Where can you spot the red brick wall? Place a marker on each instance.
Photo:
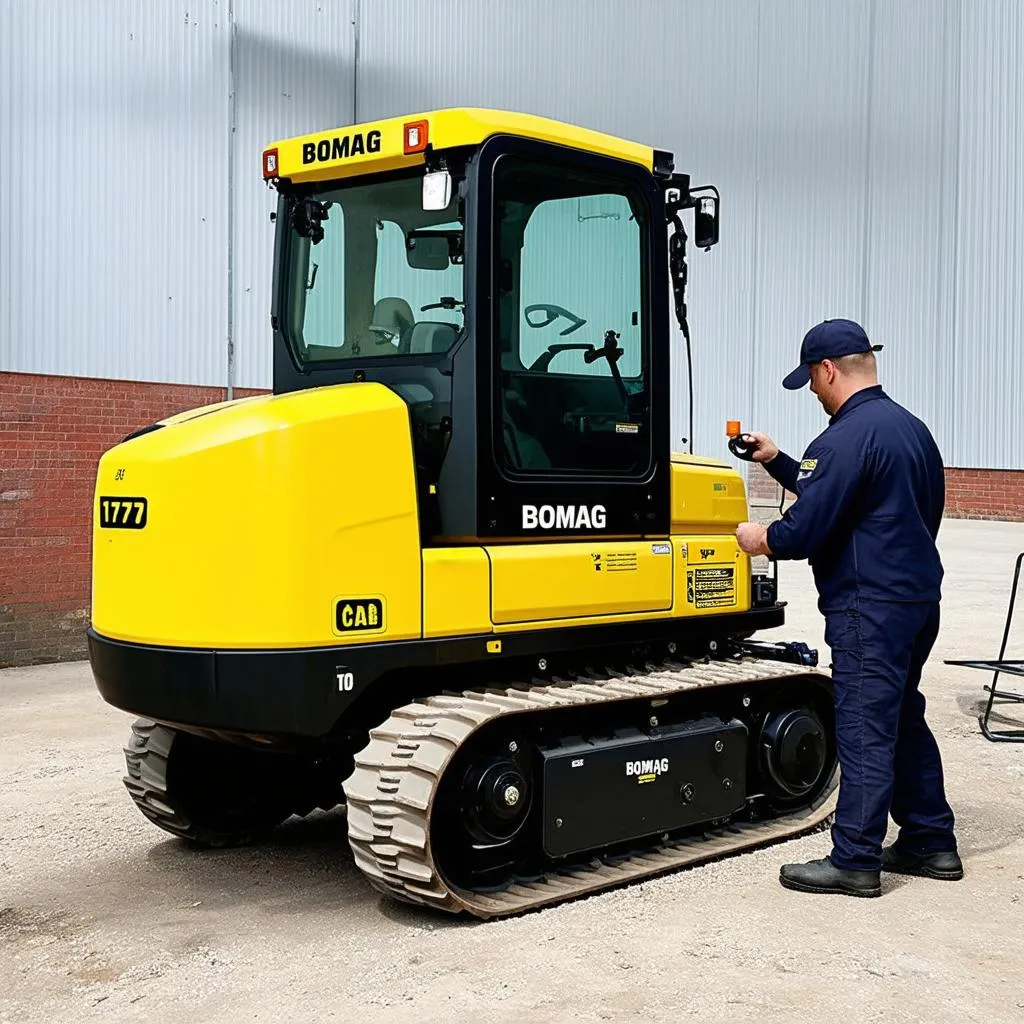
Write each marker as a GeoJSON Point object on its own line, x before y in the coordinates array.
{"type": "Point", "coordinates": [761, 488]}
{"type": "Point", "coordinates": [970, 493]}
{"type": "Point", "coordinates": [52, 432]}
{"type": "Point", "coordinates": [985, 494]}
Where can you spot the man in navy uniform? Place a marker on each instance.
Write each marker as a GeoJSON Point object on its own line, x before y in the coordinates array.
{"type": "Point", "coordinates": [870, 494]}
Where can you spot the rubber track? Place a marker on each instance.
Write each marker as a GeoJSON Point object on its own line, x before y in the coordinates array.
{"type": "Point", "coordinates": [146, 781]}
{"type": "Point", "coordinates": [391, 791]}
{"type": "Point", "coordinates": [146, 759]}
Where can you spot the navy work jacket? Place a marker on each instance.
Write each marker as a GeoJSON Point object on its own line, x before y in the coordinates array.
{"type": "Point", "coordinates": [870, 494]}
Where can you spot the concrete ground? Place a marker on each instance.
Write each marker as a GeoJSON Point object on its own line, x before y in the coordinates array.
{"type": "Point", "coordinates": [103, 917]}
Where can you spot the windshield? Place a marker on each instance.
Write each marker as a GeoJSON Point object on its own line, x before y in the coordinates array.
{"type": "Point", "coordinates": [385, 279]}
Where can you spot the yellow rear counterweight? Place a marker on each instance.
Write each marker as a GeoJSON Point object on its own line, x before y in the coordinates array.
{"type": "Point", "coordinates": [261, 516]}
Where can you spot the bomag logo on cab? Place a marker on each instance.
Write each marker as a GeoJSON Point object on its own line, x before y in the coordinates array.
{"type": "Point", "coordinates": [363, 614]}
{"type": "Point", "coordinates": [564, 517]}
{"type": "Point", "coordinates": [341, 147]}
{"type": "Point", "coordinates": [647, 771]}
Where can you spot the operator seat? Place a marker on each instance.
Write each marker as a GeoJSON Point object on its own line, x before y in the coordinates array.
{"type": "Point", "coordinates": [391, 322]}
{"type": "Point", "coordinates": [431, 336]}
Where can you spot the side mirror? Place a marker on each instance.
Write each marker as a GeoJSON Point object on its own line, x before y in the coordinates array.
{"type": "Point", "coordinates": [433, 248]}
{"type": "Point", "coordinates": [437, 190]}
{"type": "Point", "coordinates": [426, 251]}
{"type": "Point", "coordinates": [705, 222]}
{"type": "Point", "coordinates": [307, 219]}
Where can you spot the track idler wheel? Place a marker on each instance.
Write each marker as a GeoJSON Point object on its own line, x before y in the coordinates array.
{"type": "Point", "coordinates": [794, 749]}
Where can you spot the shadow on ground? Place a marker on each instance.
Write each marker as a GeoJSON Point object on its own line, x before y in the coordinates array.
{"type": "Point", "coordinates": [305, 865]}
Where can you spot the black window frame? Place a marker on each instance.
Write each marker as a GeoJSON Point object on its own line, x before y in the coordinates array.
{"type": "Point", "coordinates": [638, 184]}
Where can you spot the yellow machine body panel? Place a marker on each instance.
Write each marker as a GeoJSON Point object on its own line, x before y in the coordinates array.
{"type": "Point", "coordinates": [507, 588]}
{"type": "Point", "coordinates": [375, 146]}
{"type": "Point", "coordinates": [537, 582]}
{"type": "Point", "coordinates": [695, 584]}
{"type": "Point", "coordinates": [708, 496]}
{"type": "Point", "coordinates": [273, 522]}
{"type": "Point", "coordinates": [456, 589]}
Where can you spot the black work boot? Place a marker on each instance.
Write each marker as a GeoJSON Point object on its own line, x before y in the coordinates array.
{"type": "Point", "coordinates": [823, 876]}
{"type": "Point", "coordinates": [945, 866]}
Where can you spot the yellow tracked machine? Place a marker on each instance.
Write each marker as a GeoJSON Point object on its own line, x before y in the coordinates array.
{"type": "Point", "coordinates": [451, 572]}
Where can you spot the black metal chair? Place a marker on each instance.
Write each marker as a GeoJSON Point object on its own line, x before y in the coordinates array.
{"type": "Point", "coordinates": [1001, 664]}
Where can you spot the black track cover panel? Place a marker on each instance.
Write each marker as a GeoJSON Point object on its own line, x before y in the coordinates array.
{"type": "Point", "coordinates": [616, 788]}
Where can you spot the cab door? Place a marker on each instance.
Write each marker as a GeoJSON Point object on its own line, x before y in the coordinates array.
{"type": "Point", "coordinates": [577, 374]}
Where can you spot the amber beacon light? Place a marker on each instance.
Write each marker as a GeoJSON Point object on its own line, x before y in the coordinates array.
{"type": "Point", "coordinates": [740, 448]}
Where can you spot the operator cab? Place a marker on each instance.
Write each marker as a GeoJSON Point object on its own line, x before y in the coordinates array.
{"type": "Point", "coordinates": [512, 287]}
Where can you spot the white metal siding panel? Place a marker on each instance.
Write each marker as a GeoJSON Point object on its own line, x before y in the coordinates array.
{"type": "Point", "coordinates": [988, 359]}
{"type": "Point", "coordinates": [113, 131]}
{"type": "Point", "coordinates": [293, 73]}
{"type": "Point", "coordinates": [909, 258]}
{"type": "Point", "coordinates": [812, 133]}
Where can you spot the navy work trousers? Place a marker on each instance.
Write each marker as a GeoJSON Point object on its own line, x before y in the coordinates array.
{"type": "Point", "coordinates": [888, 758]}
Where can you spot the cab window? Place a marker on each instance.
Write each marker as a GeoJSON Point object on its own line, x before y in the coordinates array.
{"type": "Point", "coordinates": [370, 274]}
{"type": "Point", "coordinates": [571, 321]}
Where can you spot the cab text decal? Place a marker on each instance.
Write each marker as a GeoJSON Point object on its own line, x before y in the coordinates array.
{"type": "Point", "coordinates": [359, 615]}
{"type": "Point", "coordinates": [341, 147]}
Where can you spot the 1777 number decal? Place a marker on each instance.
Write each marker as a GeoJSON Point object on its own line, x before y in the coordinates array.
{"type": "Point", "coordinates": [123, 513]}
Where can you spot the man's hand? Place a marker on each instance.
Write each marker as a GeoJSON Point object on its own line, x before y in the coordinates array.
{"type": "Point", "coordinates": [753, 538]}
{"type": "Point", "coordinates": [765, 448]}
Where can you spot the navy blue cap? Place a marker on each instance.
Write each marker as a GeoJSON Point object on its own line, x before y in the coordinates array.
{"type": "Point", "coordinates": [828, 340]}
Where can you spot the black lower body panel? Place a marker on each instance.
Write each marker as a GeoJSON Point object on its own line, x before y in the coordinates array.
{"type": "Point", "coordinates": [307, 692]}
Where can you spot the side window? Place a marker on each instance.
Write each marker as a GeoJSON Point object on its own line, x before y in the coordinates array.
{"type": "Point", "coordinates": [378, 276]}
{"type": "Point", "coordinates": [572, 331]}
{"type": "Point", "coordinates": [324, 323]}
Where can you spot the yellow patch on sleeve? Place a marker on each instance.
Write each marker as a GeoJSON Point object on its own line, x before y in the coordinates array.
{"type": "Point", "coordinates": [808, 464]}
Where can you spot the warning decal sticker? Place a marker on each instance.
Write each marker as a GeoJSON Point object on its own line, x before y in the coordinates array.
{"type": "Point", "coordinates": [614, 561]}
{"type": "Point", "coordinates": [711, 587]}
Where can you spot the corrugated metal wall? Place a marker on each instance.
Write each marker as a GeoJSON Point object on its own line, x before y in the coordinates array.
{"type": "Point", "coordinates": [293, 72]}
{"type": "Point", "coordinates": [113, 223]}
{"type": "Point", "coordinates": [868, 155]}
{"type": "Point", "coordinates": [987, 357]}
